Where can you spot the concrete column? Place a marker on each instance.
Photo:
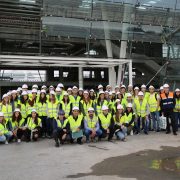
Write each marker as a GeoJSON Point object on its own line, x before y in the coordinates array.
{"type": "Point", "coordinates": [80, 74]}
{"type": "Point", "coordinates": [130, 73]}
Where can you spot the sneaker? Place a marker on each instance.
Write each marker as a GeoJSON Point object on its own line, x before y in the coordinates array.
{"type": "Point", "coordinates": [6, 143]}
{"type": "Point", "coordinates": [175, 133]}
{"type": "Point", "coordinates": [146, 133]}
{"type": "Point", "coordinates": [131, 133]}
{"type": "Point", "coordinates": [19, 140]}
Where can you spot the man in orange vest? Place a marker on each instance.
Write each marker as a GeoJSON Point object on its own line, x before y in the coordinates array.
{"type": "Point", "coordinates": [167, 105]}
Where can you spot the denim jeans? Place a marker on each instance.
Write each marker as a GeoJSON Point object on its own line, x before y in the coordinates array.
{"type": "Point", "coordinates": [145, 124]}
{"type": "Point", "coordinates": [177, 119]}
{"type": "Point", "coordinates": [88, 132]}
{"type": "Point", "coordinates": [155, 119]}
{"type": "Point", "coordinates": [122, 133]}
{"type": "Point", "coordinates": [6, 137]}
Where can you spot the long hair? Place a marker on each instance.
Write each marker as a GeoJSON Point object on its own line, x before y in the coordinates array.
{"type": "Point", "coordinates": [117, 116]}
{"type": "Point", "coordinates": [129, 112]}
{"type": "Point", "coordinates": [16, 119]}
{"type": "Point", "coordinates": [67, 100]}
{"type": "Point", "coordinates": [88, 99]}
{"type": "Point", "coordinates": [3, 121]}
{"type": "Point", "coordinates": [31, 102]}
{"type": "Point", "coordinates": [43, 100]}
{"type": "Point", "coordinates": [16, 99]}
{"type": "Point", "coordinates": [22, 99]}
{"type": "Point", "coordinates": [4, 103]}
{"type": "Point", "coordinates": [36, 119]}
{"type": "Point", "coordinates": [53, 97]}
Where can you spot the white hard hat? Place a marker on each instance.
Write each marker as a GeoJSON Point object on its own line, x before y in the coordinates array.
{"type": "Point", "coordinates": [81, 89]}
{"type": "Point", "coordinates": [43, 86]}
{"type": "Point", "coordinates": [60, 85]}
{"type": "Point", "coordinates": [161, 88]}
{"type": "Point", "coordinates": [143, 86]}
{"type": "Point", "coordinates": [34, 91]}
{"type": "Point", "coordinates": [24, 93]}
{"type": "Point", "coordinates": [129, 105]}
{"type": "Point", "coordinates": [19, 89]}
{"type": "Point", "coordinates": [130, 85]}
{"type": "Point", "coordinates": [65, 94]}
{"type": "Point", "coordinates": [101, 92]}
{"type": "Point", "coordinates": [51, 86]}
{"type": "Point", "coordinates": [116, 86]}
{"type": "Point", "coordinates": [86, 92]}
{"type": "Point", "coordinates": [43, 91]}
{"type": "Point", "coordinates": [106, 92]}
{"type": "Point", "coordinates": [13, 92]}
{"type": "Point", "coordinates": [136, 88]}
{"type": "Point", "coordinates": [58, 89]}
{"type": "Point", "coordinates": [113, 92]}
{"type": "Point", "coordinates": [69, 89]}
{"type": "Point", "coordinates": [129, 95]}
{"type": "Point", "coordinates": [151, 87]}
{"type": "Point", "coordinates": [24, 86]}
{"type": "Point", "coordinates": [90, 109]}
{"type": "Point", "coordinates": [100, 86]}
{"type": "Point", "coordinates": [17, 110]}
{"type": "Point", "coordinates": [9, 93]}
{"type": "Point", "coordinates": [120, 106]}
{"type": "Point", "coordinates": [52, 93]}
{"type": "Point", "coordinates": [123, 86]}
{"type": "Point", "coordinates": [34, 110]}
{"type": "Point", "coordinates": [177, 90]}
{"type": "Point", "coordinates": [110, 93]}
{"type": "Point", "coordinates": [104, 107]}
{"type": "Point", "coordinates": [165, 86]}
{"type": "Point", "coordinates": [140, 93]}
{"type": "Point", "coordinates": [118, 100]}
{"type": "Point", "coordinates": [1, 114]}
{"type": "Point", "coordinates": [108, 85]}
{"type": "Point", "coordinates": [35, 86]}
{"type": "Point", "coordinates": [4, 96]}
{"type": "Point", "coordinates": [75, 108]}
{"type": "Point", "coordinates": [74, 87]}
{"type": "Point", "coordinates": [91, 90]}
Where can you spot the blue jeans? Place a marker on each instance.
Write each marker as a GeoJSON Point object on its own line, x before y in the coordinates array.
{"type": "Point", "coordinates": [6, 137]}
{"type": "Point", "coordinates": [145, 124]}
{"type": "Point", "coordinates": [177, 119]}
{"type": "Point", "coordinates": [122, 133]}
{"type": "Point", "coordinates": [155, 119]}
{"type": "Point", "coordinates": [88, 132]}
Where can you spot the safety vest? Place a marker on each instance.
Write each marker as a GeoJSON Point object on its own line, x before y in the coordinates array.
{"type": "Point", "coordinates": [3, 129]}
{"type": "Point", "coordinates": [59, 98]}
{"type": "Point", "coordinates": [167, 102]}
{"type": "Point", "coordinates": [53, 109]}
{"type": "Point", "coordinates": [75, 101]}
{"type": "Point", "coordinates": [31, 125]}
{"type": "Point", "coordinates": [129, 118]}
{"type": "Point", "coordinates": [146, 95]}
{"type": "Point", "coordinates": [177, 106]}
{"type": "Point", "coordinates": [86, 106]}
{"type": "Point", "coordinates": [60, 125]}
{"type": "Point", "coordinates": [7, 110]}
{"type": "Point", "coordinates": [15, 124]}
{"type": "Point", "coordinates": [152, 101]}
{"type": "Point", "coordinates": [23, 108]}
{"type": "Point", "coordinates": [121, 121]}
{"type": "Point", "coordinates": [99, 107]}
{"type": "Point", "coordinates": [74, 124]}
{"type": "Point", "coordinates": [141, 109]}
{"type": "Point", "coordinates": [42, 109]}
{"type": "Point", "coordinates": [105, 121]}
{"type": "Point", "coordinates": [66, 108]}
{"type": "Point", "coordinates": [91, 122]}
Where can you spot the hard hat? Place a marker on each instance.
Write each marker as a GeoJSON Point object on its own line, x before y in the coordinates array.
{"type": "Point", "coordinates": [9, 93]}
{"type": "Point", "coordinates": [129, 105]}
{"type": "Point", "coordinates": [13, 92]}
{"type": "Point", "coordinates": [17, 110]}
{"type": "Point", "coordinates": [19, 89]}
{"type": "Point", "coordinates": [104, 107]}
{"type": "Point", "coordinates": [165, 86]}
{"type": "Point", "coordinates": [60, 85]}
{"type": "Point", "coordinates": [101, 92]}
{"type": "Point", "coordinates": [69, 89]}
{"type": "Point", "coordinates": [58, 89]}
{"type": "Point", "coordinates": [123, 86]}
{"type": "Point", "coordinates": [90, 109]}
{"type": "Point", "coordinates": [81, 89]}
{"type": "Point", "coordinates": [1, 114]}
{"type": "Point", "coordinates": [35, 86]}
{"type": "Point", "coordinates": [140, 93]}
{"type": "Point", "coordinates": [91, 90]}
{"type": "Point", "coordinates": [100, 86]}
{"type": "Point", "coordinates": [4, 96]}
{"type": "Point", "coordinates": [24, 86]}
{"type": "Point", "coordinates": [161, 88]}
{"type": "Point", "coordinates": [106, 92]}
{"type": "Point", "coordinates": [51, 86]}
{"type": "Point", "coordinates": [65, 94]}
{"type": "Point", "coordinates": [136, 88]}
{"type": "Point", "coordinates": [129, 95]}
{"type": "Point", "coordinates": [130, 85]}
{"type": "Point", "coordinates": [33, 110]}
{"type": "Point", "coordinates": [113, 92]}
{"type": "Point", "coordinates": [43, 91]}
{"type": "Point", "coordinates": [108, 86]}
{"type": "Point", "coordinates": [177, 90]}
{"type": "Point", "coordinates": [34, 91]}
{"type": "Point", "coordinates": [43, 86]}
{"type": "Point", "coordinates": [116, 87]}
{"type": "Point", "coordinates": [75, 108]}
{"type": "Point", "coordinates": [24, 93]}
{"type": "Point", "coordinates": [118, 100]}
{"type": "Point", "coordinates": [143, 86]}
{"type": "Point", "coordinates": [74, 87]}
{"type": "Point", "coordinates": [151, 87]}
{"type": "Point", "coordinates": [120, 106]}
{"type": "Point", "coordinates": [52, 93]}
{"type": "Point", "coordinates": [110, 93]}
{"type": "Point", "coordinates": [86, 92]}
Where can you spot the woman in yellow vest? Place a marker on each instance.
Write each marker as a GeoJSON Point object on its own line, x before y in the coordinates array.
{"type": "Point", "coordinates": [42, 108]}
{"type": "Point", "coordinates": [177, 108]}
{"type": "Point", "coordinates": [76, 124]}
{"type": "Point", "coordinates": [6, 108]}
{"type": "Point", "coordinates": [106, 123]}
{"type": "Point", "coordinates": [92, 95]}
{"type": "Point", "coordinates": [91, 126]}
{"type": "Point", "coordinates": [5, 134]}
{"type": "Point", "coordinates": [130, 118]}
{"type": "Point", "coordinates": [135, 94]}
{"type": "Point", "coordinates": [66, 105]}
{"type": "Point", "coordinates": [85, 103]}
{"type": "Point", "coordinates": [18, 125]}
{"type": "Point", "coordinates": [33, 127]}
{"type": "Point", "coordinates": [14, 100]}
{"type": "Point", "coordinates": [120, 128]}
{"type": "Point", "coordinates": [60, 128]}
{"type": "Point", "coordinates": [53, 108]}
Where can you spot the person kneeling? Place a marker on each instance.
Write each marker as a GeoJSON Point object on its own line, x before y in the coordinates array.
{"type": "Point", "coordinates": [60, 129]}
{"type": "Point", "coordinates": [33, 127]}
{"type": "Point", "coordinates": [91, 125]}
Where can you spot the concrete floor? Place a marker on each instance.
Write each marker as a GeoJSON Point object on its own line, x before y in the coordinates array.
{"type": "Point", "coordinates": [42, 161]}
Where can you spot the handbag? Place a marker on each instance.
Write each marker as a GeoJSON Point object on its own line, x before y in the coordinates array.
{"type": "Point", "coordinates": [76, 135]}
{"type": "Point", "coordinates": [162, 122]}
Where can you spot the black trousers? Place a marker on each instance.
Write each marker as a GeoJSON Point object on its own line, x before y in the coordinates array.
{"type": "Point", "coordinates": [44, 124]}
{"type": "Point", "coordinates": [170, 114]}
{"type": "Point", "coordinates": [105, 134]}
{"type": "Point", "coordinates": [20, 133]}
{"type": "Point", "coordinates": [27, 134]}
{"type": "Point", "coordinates": [58, 134]}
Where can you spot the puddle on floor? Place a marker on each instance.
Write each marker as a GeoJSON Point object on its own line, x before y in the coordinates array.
{"type": "Point", "coordinates": [143, 165]}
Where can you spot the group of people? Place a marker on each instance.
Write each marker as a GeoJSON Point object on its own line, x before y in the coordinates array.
{"type": "Point", "coordinates": [71, 114]}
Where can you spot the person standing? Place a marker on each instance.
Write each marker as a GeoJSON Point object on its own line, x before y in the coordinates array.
{"type": "Point", "coordinates": [177, 108]}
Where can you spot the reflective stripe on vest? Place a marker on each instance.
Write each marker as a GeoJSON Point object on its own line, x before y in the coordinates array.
{"type": "Point", "coordinates": [105, 121]}
{"type": "Point", "coordinates": [141, 109]}
{"type": "Point", "coordinates": [75, 124]}
{"type": "Point", "coordinates": [91, 122]}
